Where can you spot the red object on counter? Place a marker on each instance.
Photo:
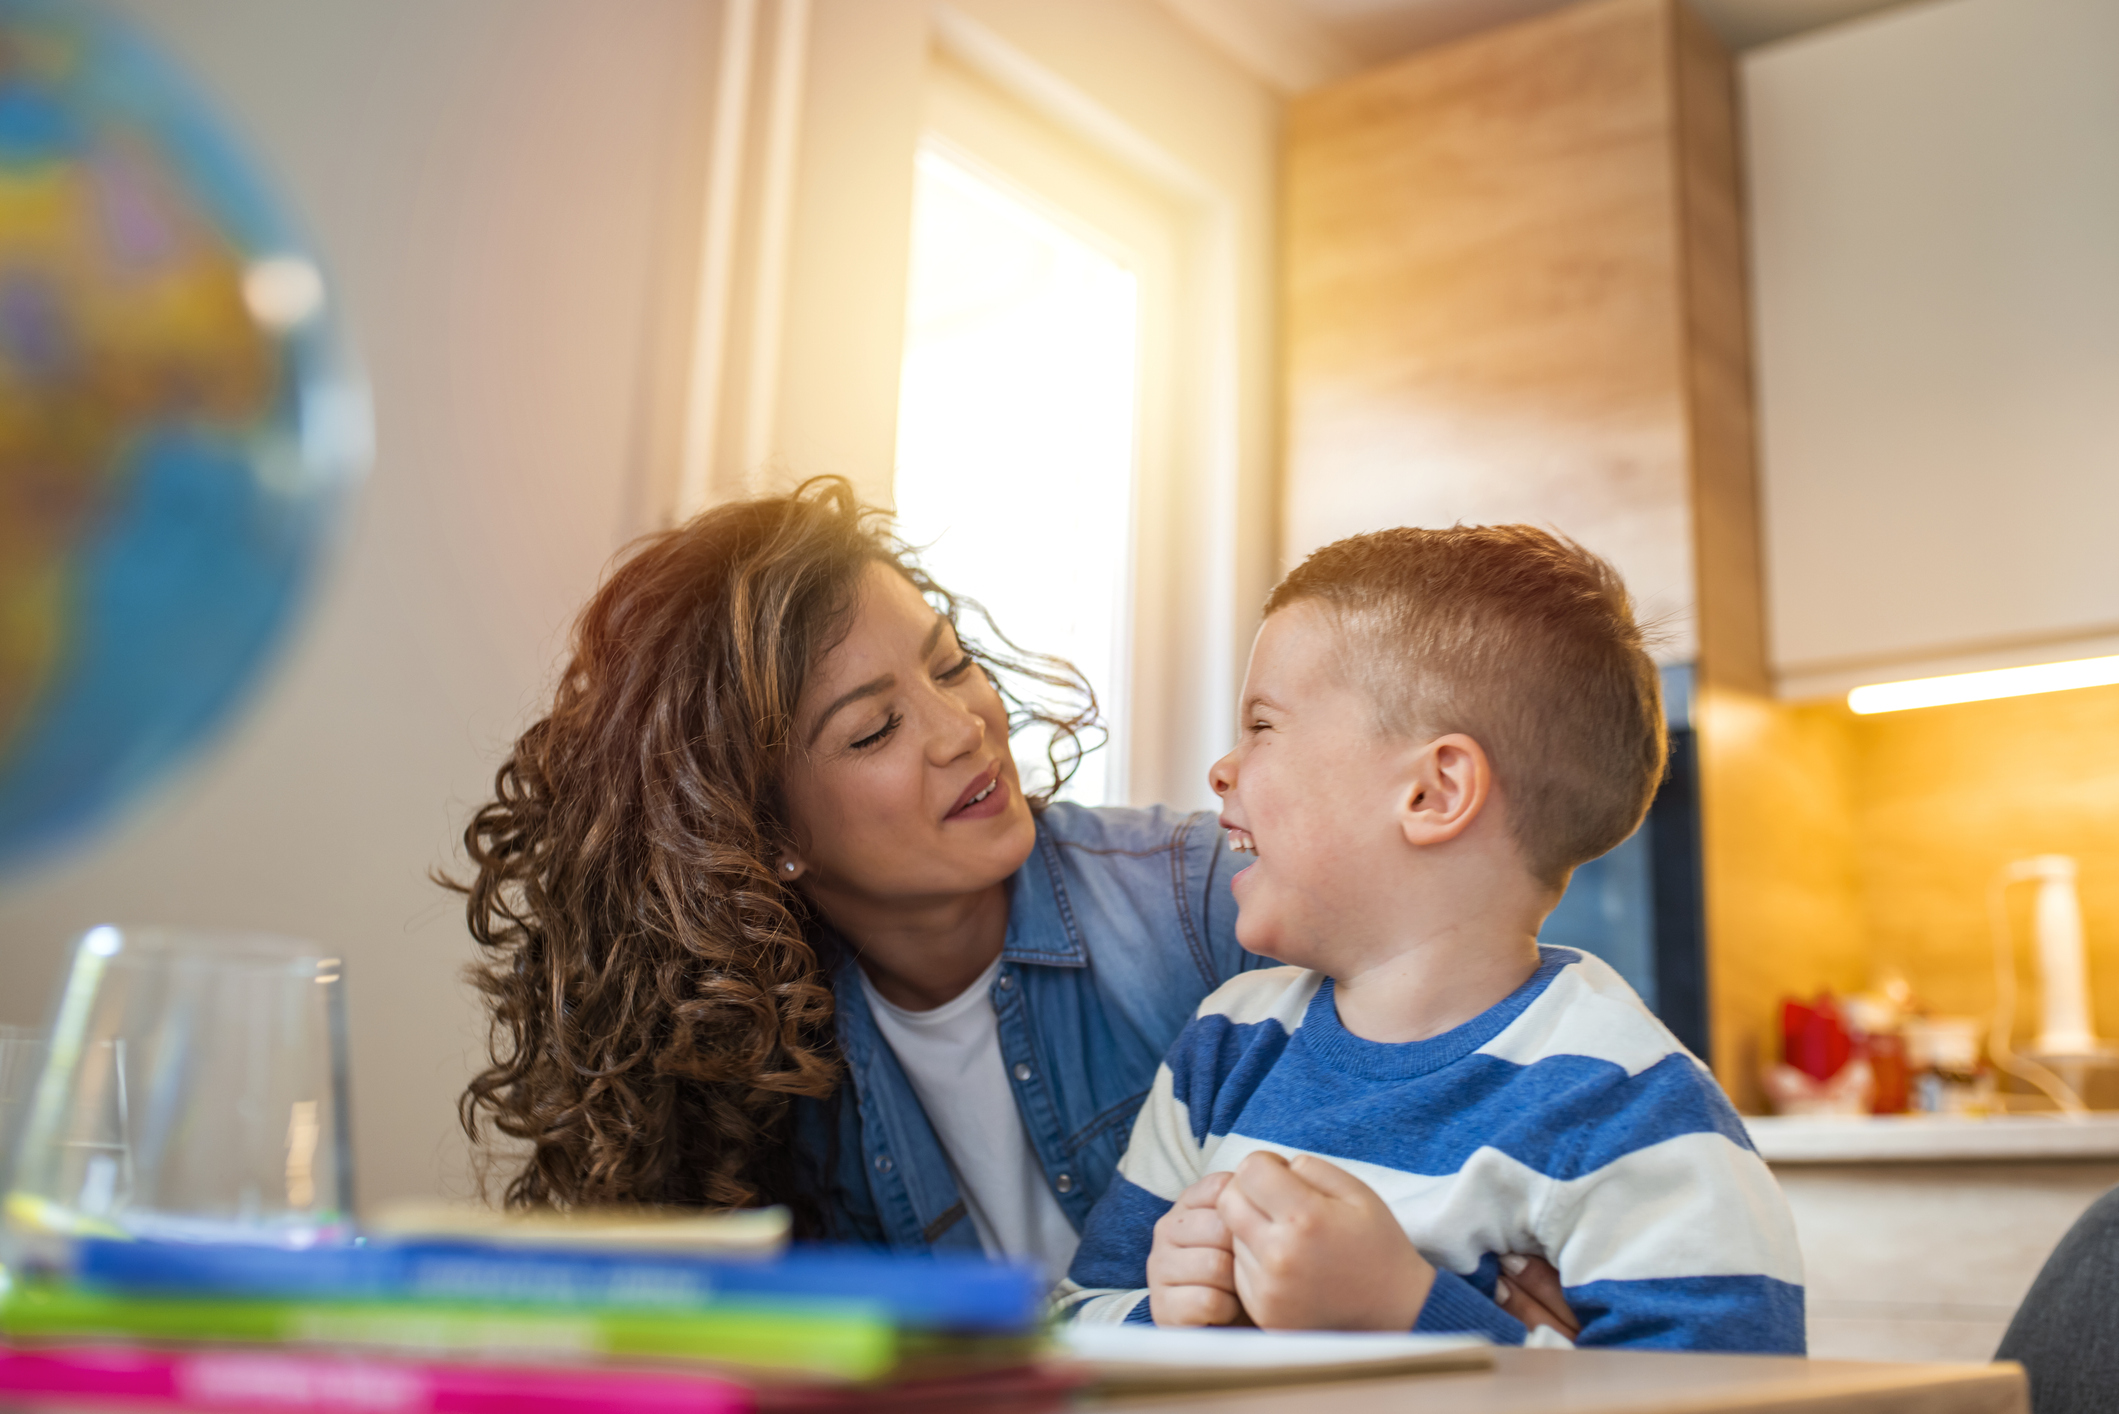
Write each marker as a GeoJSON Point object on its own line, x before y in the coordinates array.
{"type": "Point", "coordinates": [1814, 1039]}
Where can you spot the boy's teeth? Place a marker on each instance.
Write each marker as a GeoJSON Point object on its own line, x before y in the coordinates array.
{"type": "Point", "coordinates": [1240, 841]}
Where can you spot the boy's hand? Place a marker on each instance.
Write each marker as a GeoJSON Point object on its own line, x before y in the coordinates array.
{"type": "Point", "coordinates": [1316, 1249]}
{"type": "Point", "coordinates": [1191, 1272]}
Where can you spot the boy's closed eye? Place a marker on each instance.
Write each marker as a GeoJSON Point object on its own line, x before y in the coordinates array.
{"type": "Point", "coordinates": [1260, 714]}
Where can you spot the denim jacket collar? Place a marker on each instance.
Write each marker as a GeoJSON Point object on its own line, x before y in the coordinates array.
{"type": "Point", "coordinates": [1041, 925]}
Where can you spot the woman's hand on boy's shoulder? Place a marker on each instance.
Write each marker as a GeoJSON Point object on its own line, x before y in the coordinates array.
{"type": "Point", "coordinates": [1191, 1268]}
{"type": "Point", "coordinates": [1316, 1249]}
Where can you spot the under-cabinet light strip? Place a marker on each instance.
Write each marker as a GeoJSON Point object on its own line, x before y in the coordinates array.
{"type": "Point", "coordinates": [1983, 687]}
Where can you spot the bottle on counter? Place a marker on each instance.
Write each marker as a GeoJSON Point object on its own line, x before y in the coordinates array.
{"type": "Point", "coordinates": [1877, 1022]}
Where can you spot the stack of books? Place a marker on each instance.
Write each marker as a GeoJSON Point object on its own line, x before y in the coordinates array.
{"type": "Point", "coordinates": [475, 1323]}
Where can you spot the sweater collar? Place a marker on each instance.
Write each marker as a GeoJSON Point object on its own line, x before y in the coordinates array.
{"type": "Point", "coordinates": [1324, 1036]}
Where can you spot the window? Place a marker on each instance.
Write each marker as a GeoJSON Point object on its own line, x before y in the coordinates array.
{"type": "Point", "coordinates": [1036, 451]}
{"type": "Point", "coordinates": [1108, 132]}
{"type": "Point", "coordinates": [1018, 430]}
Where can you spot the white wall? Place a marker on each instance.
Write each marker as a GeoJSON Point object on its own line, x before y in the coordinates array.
{"type": "Point", "coordinates": [1935, 226]}
{"type": "Point", "coordinates": [505, 190]}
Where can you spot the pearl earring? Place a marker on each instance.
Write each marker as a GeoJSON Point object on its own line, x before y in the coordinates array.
{"type": "Point", "coordinates": [789, 866]}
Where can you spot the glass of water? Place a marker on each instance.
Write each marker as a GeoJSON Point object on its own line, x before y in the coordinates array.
{"type": "Point", "coordinates": [194, 1089]}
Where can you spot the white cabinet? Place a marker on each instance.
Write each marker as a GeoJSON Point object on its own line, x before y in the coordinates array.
{"type": "Point", "coordinates": [1935, 242]}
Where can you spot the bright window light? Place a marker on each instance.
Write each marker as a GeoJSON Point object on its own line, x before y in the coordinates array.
{"type": "Point", "coordinates": [1016, 433]}
{"type": "Point", "coordinates": [1984, 687]}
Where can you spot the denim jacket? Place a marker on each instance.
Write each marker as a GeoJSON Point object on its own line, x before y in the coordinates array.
{"type": "Point", "coordinates": [1119, 923]}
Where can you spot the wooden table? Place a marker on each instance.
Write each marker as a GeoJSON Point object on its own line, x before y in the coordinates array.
{"type": "Point", "coordinates": [1636, 1382]}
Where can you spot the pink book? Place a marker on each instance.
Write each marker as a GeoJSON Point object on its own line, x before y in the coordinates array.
{"type": "Point", "coordinates": [231, 1380]}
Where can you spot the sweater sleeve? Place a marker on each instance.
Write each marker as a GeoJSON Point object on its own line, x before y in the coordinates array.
{"type": "Point", "coordinates": [1681, 1242]}
{"type": "Point", "coordinates": [1456, 1307]}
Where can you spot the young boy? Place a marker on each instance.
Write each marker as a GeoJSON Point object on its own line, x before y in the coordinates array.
{"type": "Point", "coordinates": [1437, 727]}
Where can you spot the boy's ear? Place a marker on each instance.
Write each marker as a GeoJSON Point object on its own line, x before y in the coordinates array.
{"type": "Point", "coordinates": [1450, 782]}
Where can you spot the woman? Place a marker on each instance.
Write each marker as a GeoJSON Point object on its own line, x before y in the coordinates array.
{"type": "Point", "coordinates": [768, 916]}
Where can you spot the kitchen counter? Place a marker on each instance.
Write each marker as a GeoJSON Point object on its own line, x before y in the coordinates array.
{"type": "Point", "coordinates": [1798, 1139]}
{"type": "Point", "coordinates": [1921, 1233]}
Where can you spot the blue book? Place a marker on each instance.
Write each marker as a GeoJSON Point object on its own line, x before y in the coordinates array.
{"type": "Point", "coordinates": [957, 1294]}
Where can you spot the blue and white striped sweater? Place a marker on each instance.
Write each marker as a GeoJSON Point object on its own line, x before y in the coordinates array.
{"type": "Point", "coordinates": [1565, 1121]}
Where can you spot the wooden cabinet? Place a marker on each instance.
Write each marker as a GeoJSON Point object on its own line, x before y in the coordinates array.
{"type": "Point", "coordinates": [1515, 291]}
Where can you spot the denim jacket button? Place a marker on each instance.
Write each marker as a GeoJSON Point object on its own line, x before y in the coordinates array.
{"type": "Point", "coordinates": [884, 1163]}
{"type": "Point", "coordinates": [1022, 1070]}
{"type": "Point", "coordinates": [1064, 1183]}
{"type": "Point", "coordinates": [1007, 981]}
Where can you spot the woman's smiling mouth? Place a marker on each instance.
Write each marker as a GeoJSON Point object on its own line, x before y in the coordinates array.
{"type": "Point", "coordinates": [984, 797]}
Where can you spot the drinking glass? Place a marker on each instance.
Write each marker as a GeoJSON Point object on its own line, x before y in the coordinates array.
{"type": "Point", "coordinates": [21, 1053]}
{"type": "Point", "coordinates": [194, 1089]}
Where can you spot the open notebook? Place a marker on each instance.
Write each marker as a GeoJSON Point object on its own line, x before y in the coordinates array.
{"type": "Point", "coordinates": [1137, 1358]}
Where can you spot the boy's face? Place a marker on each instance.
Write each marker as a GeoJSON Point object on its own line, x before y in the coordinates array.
{"type": "Point", "coordinates": [1312, 786]}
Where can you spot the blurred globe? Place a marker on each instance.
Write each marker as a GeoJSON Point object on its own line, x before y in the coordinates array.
{"type": "Point", "coordinates": [179, 426]}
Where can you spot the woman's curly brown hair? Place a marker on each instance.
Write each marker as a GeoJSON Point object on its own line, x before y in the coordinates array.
{"type": "Point", "coordinates": [657, 996]}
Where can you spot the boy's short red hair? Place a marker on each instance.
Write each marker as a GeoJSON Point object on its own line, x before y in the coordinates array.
{"type": "Point", "coordinates": [1523, 641]}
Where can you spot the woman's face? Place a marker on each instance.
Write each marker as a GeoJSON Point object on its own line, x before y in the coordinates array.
{"type": "Point", "coordinates": [900, 787]}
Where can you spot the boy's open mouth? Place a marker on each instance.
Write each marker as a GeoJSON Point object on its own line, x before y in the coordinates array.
{"type": "Point", "coordinates": [1240, 841]}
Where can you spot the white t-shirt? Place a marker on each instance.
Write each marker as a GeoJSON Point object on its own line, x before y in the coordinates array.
{"type": "Point", "coordinates": [952, 1055]}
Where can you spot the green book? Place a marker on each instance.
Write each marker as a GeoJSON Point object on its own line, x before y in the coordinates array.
{"type": "Point", "coordinates": [834, 1341]}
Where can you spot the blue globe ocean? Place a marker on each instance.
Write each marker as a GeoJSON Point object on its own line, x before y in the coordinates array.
{"type": "Point", "coordinates": [179, 426]}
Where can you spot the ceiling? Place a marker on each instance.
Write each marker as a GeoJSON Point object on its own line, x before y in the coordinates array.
{"type": "Point", "coordinates": [1298, 44]}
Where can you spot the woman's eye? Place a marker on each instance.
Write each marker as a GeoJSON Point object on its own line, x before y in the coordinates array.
{"type": "Point", "coordinates": [957, 669]}
{"type": "Point", "coordinates": [875, 737]}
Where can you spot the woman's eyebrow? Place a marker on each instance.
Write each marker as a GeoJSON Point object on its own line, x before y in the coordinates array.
{"type": "Point", "coordinates": [867, 689]}
{"type": "Point", "coordinates": [875, 685]}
